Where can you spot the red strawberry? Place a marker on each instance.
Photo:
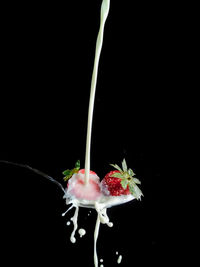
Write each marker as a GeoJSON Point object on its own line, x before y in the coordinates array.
{"type": "Point", "coordinates": [78, 188]}
{"type": "Point", "coordinates": [112, 185]}
{"type": "Point", "coordinates": [76, 184]}
{"type": "Point", "coordinates": [121, 182]}
{"type": "Point", "coordinates": [82, 171]}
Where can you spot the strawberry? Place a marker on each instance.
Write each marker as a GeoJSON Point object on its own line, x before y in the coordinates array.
{"type": "Point", "coordinates": [111, 185]}
{"type": "Point", "coordinates": [121, 182]}
{"type": "Point", "coordinates": [76, 184]}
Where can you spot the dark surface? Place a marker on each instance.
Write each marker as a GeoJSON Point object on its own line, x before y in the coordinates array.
{"type": "Point", "coordinates": [47, 62]}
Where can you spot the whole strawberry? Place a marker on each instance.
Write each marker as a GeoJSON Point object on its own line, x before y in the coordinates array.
{"type": "Point", "coordinates": [111, 185]}
{"type": "Point", "coordinates": [76, 186]}
{"type": "Point", "coordinates": [121, 182]}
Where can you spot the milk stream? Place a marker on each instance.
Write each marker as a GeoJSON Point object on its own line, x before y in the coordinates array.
{"type": "Point", "coordinates": [96, 233]}
{"type": "Point", "coordinates": [75, 222]}
{"type": "Point", "coordinates": [104, 13]}
{"type": "Point", "coordinates": [101, 211]}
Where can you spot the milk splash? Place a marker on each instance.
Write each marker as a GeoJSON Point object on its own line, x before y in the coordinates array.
{"type": "Point", "coordinates": [102, 217]}
{"type": "Point", "coordinates": [100, 203]}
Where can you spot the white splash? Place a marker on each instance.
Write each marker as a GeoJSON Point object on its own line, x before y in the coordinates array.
{"type": "Point", "coordinates": [100, 205]}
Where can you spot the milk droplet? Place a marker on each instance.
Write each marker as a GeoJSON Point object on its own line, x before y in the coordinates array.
{"type": "Point", "coordinates": [101, 260]}
{"type": "Point", "coordinates": [89, 213]}
{"type": "Point", "coordinates": [81, 232]}
{"type": "Point", "coordinates": [68, 223]}
{"type": "Point", "coordinates": [73, 239]}
{"type": "Point", "coordinates": [119, 259]}
{"type": "Point", "coordinates": [101, 265]}
{"type": "Point", "coordinates": [110, 224]}
{"type": "Point", "coordinates": [116, 252]}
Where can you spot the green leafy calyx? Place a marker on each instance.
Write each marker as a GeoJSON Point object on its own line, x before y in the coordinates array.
{"type": "Point", "coordinates": [68, 173]}
{"type": "Point", "coordinates": [127, 179]}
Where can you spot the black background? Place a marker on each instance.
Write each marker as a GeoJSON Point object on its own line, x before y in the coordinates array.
{"type": "Point", "coordinates": [47, 60]}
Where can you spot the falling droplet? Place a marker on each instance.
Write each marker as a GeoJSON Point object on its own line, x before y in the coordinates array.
{"type": "Point", "coordinates": [81, 232]}
{"type": "Point", "coordinates": [119, 259]}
